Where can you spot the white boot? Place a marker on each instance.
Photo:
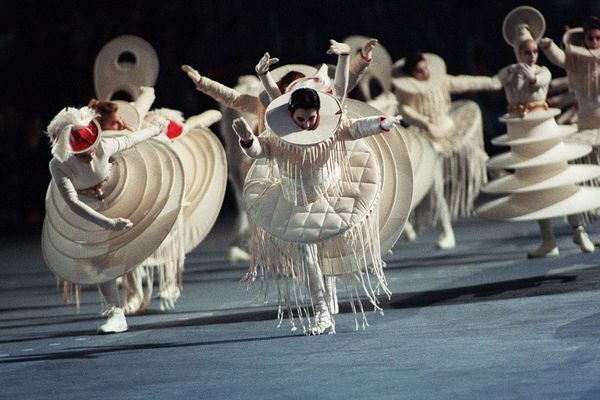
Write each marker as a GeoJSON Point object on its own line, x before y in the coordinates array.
{"type": "Point", "coordinates": [546, 249]}
{"type": "Point", "coordinates": [322, 322]}
{"type": "Point", "coordinates": [115, 321]}
{"type": "Point", "coordinates": [581, 238]}
{"type": "Point", "coordinates": [237, 255]}
{"type": "Point", "coordinates": [135, 303]}
{"type": "Point", "coordinates": [333, 304]}
{"type": "Point", "coordinates": [446, 241]}
{"type": "Point", "coordinates": [409, 232]}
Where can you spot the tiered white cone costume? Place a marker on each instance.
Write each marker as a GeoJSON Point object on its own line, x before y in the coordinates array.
{"type": "Point", "coordinates": [543, 185]}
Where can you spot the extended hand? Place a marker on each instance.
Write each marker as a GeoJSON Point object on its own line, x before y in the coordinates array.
{"type": "Point", "coordinates": [242, 129]}
{"type": "Point", "coordinates": [264, 64]}
{"type": "Point", "coordinates": [545, 43]}
{"type": "Point", "coordinates": [367, 49]}
{"type": "Point", "coordinates": [192, 73]}
{"type": "Point", "coordinates": [121, 224]}
{"type": "Point", "coordinates": [388, 123]}
{"type": "Point", "coordinates": [527, 72]}
{"type": "Point", "coordinates": [338, 48]}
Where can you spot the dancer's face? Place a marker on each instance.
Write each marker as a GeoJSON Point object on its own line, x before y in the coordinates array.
{"type": "Point", "coordinates": [306, 118]}
{"type": "Point", "coordinates": [528, 52]}
{"type": "Point", "coordinates": [421, 71]}
{"type": "Point", "coordinates": [592, 39]}
{"type": "Point", "coordinates": [113, 123]}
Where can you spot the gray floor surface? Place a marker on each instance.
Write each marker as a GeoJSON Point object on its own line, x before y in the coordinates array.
{"type": "Point", "coordinates": [477, 322]}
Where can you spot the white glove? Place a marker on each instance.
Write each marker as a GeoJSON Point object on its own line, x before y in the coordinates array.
{"type": "Point", "coordinates": [121, 224]}
{"type": "Point", "coordinates": [513, 68]}
{"type": "Point", "coordinates": [367, 49]}
{"type": "Point", "coordinates": [527, 72]}
{"type": "Point", "coordinates": [545, 43]}
{"type": "Point", "coordinates": [242, 129]}
{"type": "Point", "coordinates": [264, 64]}
{"type": "Point", "coordinates": [338, 48]}
{"type": "Point", "coordinates": [388, 123]}
{"type": "Point", "coordinates": [192, 73]}
{"type": "Point", "coordinates": [162, 124]}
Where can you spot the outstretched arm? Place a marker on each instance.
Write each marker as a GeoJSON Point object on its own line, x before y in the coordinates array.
{"type": "Point", "coordinates": [121, 143]}
{"type": "Point", "coordinates": [340, 81]}
{"type": "Point", "coordinates": [226, 96]}
{"type": "Point", "coordinates": [69, 194]}
{"type": "Point", "coordinates": [360, 63]}
{"type": "Point", "coordinates": [262, 70]}
{"type": "Point", "coordinates": [553, 52]}
{"type": "Point", "coordinates": [368, 126]}
{"type": "Point", "coordinates": [473, 83]}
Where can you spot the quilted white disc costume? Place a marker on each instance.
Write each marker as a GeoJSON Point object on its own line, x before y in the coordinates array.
{"type": "Point", "coordinates": [313, 198]}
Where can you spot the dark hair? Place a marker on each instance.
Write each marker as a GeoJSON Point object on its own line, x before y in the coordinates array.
{"type": "Point", "coordinates": [104, 108]}
{"type": "Point", "coordinates": [304, 98]}
{"type": "Point", "coordinates": [288, 78]}
{"type": "Point", "coordinates": [411, 62]}
{"type": "Point", "coordinates": [591, 23]}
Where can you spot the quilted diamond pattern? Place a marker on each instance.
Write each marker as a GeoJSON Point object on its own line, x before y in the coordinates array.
{"type": "Point", "coordinates": [326, 217]}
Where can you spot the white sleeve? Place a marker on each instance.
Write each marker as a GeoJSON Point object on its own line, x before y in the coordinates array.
{"type": "Point", "coordinates": [256, 149]}
{"type": "Point", "coordinates": [69, 194]}
{"type": "Point", "coordinates": [270, 86]}
{"type": "Point", "coordinates": [117, 144]}
{"type": "Point", "coordinates": [340, 82]}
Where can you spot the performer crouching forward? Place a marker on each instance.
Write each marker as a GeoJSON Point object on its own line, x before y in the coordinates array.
{"type": "Point", "coordinates": [314, 205]}
{"type": "Point", "coordinates": [83, 240]}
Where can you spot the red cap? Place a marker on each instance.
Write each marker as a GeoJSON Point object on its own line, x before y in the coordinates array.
{"type": "Point", "coordinates": [83, 139]}
{"type": "Point", "coordinates": [174, 129]}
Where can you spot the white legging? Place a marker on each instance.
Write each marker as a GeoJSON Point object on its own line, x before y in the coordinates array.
{"type": "Point", "coordinates": [315, 283]}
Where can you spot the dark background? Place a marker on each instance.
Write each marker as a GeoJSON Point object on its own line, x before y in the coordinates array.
{"type": "Point", "coordinates": [48, 48]}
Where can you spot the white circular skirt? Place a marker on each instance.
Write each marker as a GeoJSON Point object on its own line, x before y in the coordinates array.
{"type": "Point", "coordinates": [146, 185]}
{"type": "Point", "coordinates": [325, 218]}
{"type": "Point", "coordinates": [205, 169]}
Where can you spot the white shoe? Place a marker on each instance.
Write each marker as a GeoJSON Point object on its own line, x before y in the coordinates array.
{"type": "Point", "coordinates": [115, 321]}
{"type": "Point", "coordinates": [581, 238]}
{"type": "Point", "coordinates": [446, 241]}
{"type": "Point", "coordinates": [168, 297]}
{"type": "Point", "coordinates": [409, 232]}
{"type": "Point", "coordinates": [546, 249]}
{"type": "Point", "coordinates": [236, 255]}
{"type": "Point", "coordinates": [135, 303]}
{"type": "Point", "coordinates": [322, 322]}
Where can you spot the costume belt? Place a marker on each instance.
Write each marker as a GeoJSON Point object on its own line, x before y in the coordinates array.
{"type": "Point", "coordinates": [528, 107]}
{"type": "Point", "coordinates": [95, 191]}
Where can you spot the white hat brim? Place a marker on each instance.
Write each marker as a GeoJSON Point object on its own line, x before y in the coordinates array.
{"type": "Point", "coordinates": [560, 152]}
{"type": "Point", "coordinates": [281, 124]}
{"type": "Point", "coordinates": [533, 127]}
{"type": "Point", "coordinates": [523, 15]}
{"type": "Point", "coordinates": [519, 183]}
{"type": "Point", "coordinates": [542, 204]}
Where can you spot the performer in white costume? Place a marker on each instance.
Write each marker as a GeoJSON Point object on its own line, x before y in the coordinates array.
{"type": "Point", "coordinates": [581, 59]}
{"type": "Point", "coordinates": [455, 129]}
{"type": "Point", "coordinates": [249, 103]}
{"type": "Point", "coordinates": [297, 206]}
{"type": "Point", "coordinates": [84, 176]}
{"type": "Point", "coordinates": [526, 86]}
{"type": "Point", "coordinates": [194, 144]}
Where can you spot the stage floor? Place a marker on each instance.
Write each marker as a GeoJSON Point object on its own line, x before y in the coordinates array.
{"type": "Point", "coordinates": [478, 322]}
